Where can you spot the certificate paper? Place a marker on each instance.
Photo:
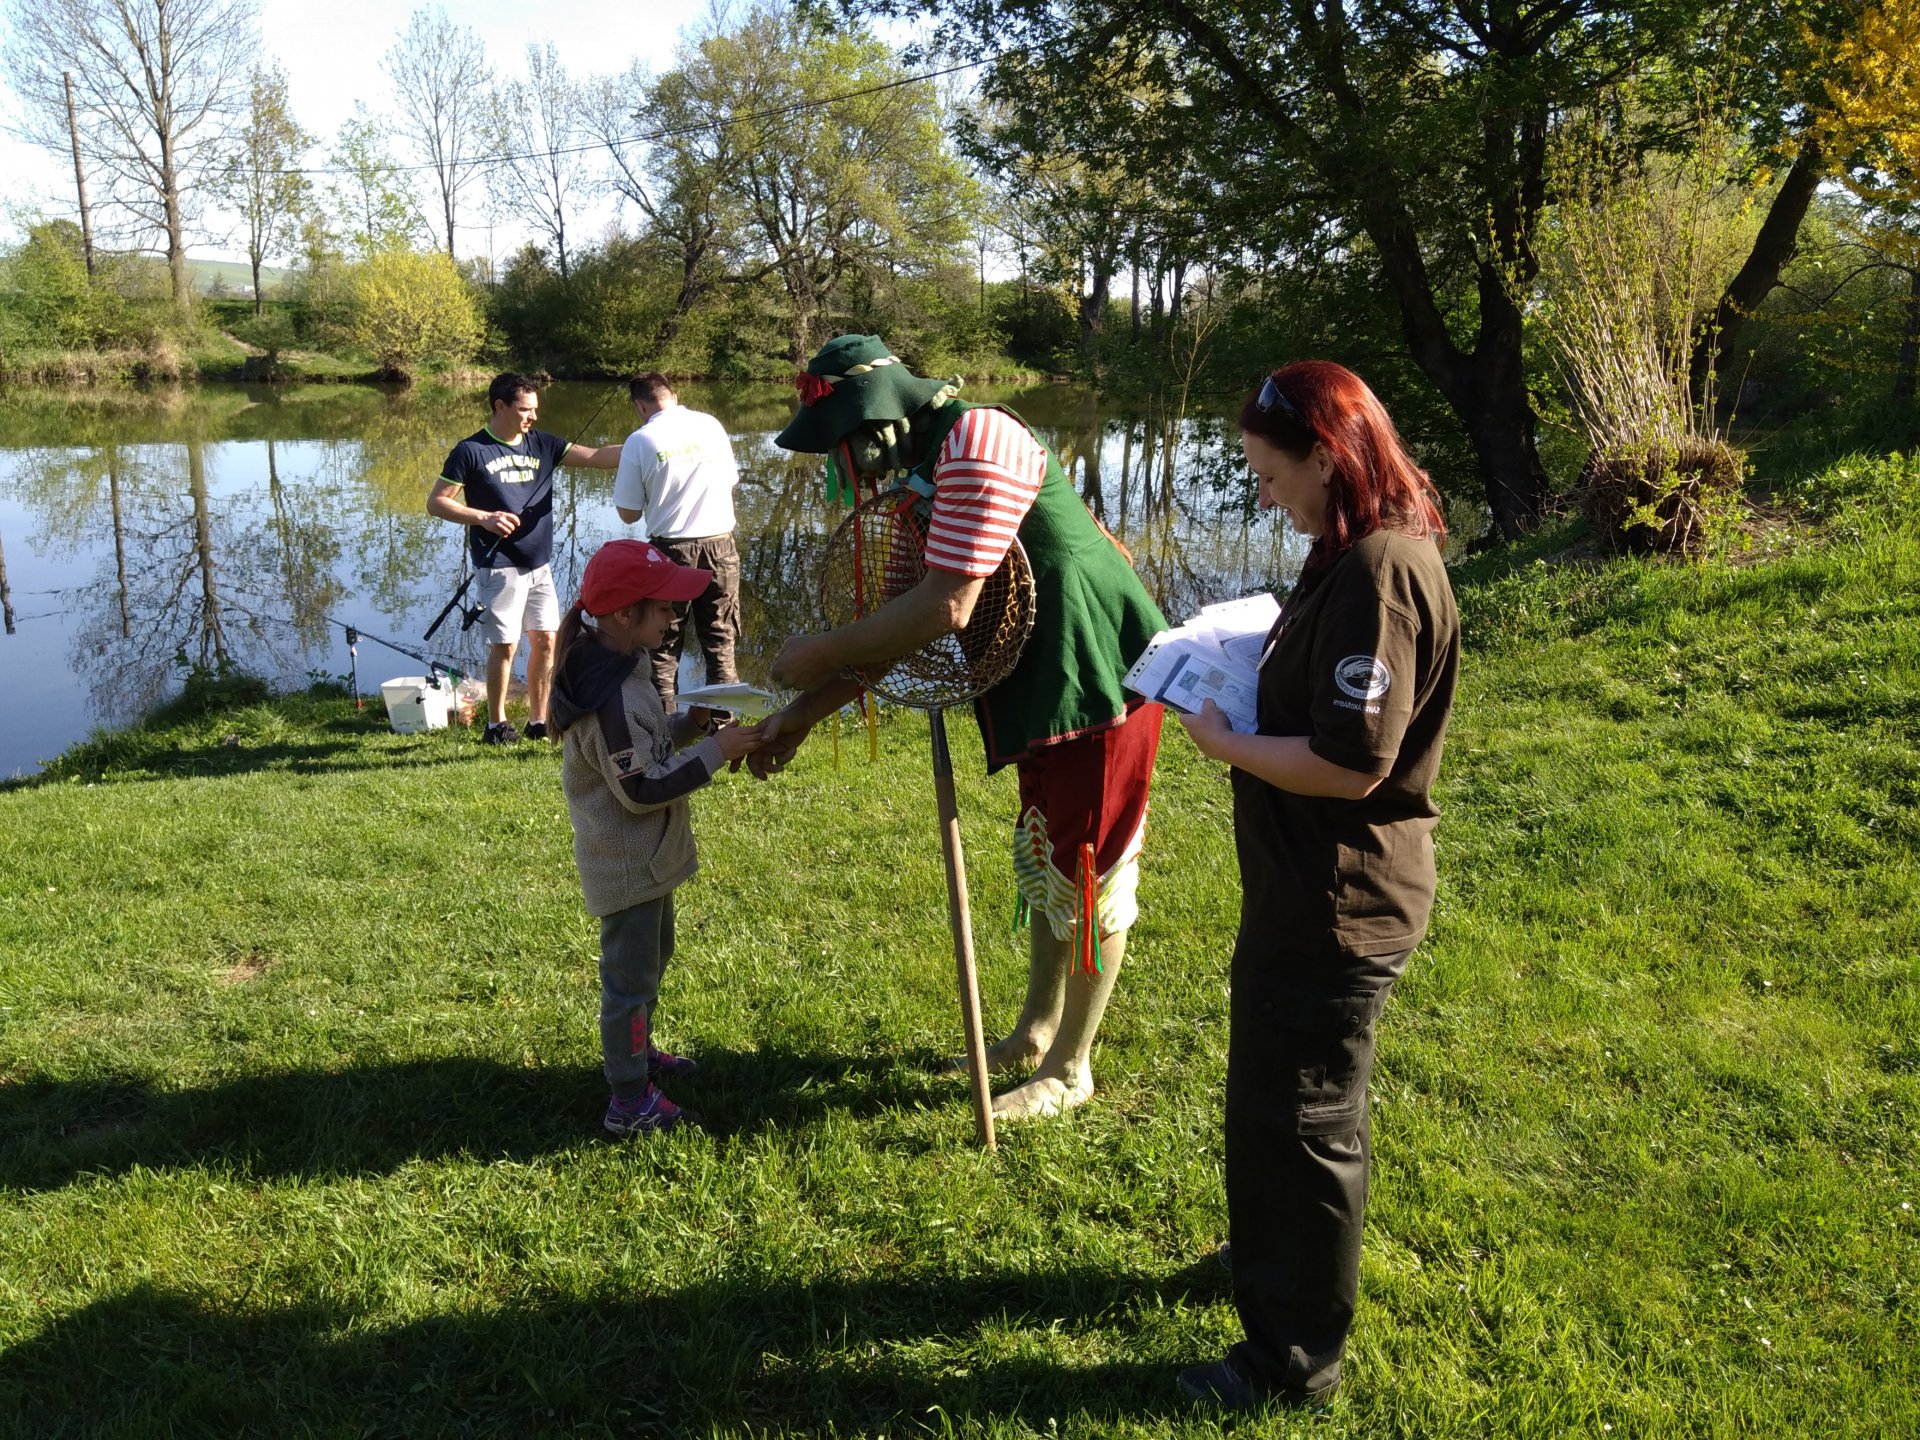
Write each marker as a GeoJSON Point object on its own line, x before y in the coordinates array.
{"type": "Point", "coordinates": [1214, 656]}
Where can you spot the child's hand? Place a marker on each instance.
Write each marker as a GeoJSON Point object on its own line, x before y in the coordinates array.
{"type": "Point", "coordinates": [736, 742]}
{"type": "Point", "coordinates": [699, 717]}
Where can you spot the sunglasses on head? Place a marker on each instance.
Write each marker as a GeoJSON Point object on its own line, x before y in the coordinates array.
{"type": "Point", "coordinates": [1272, 397]}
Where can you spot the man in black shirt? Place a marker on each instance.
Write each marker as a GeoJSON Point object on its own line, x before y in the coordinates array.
{"type": "Point", "coordinates": [499, 483]}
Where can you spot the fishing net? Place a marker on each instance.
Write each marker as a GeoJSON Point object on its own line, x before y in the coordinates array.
{"type": "Point", "coordinates": [879, 552]}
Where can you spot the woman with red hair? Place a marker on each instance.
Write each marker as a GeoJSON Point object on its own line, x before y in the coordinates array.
{"type": "Point", "coordinates": [1333, 822]}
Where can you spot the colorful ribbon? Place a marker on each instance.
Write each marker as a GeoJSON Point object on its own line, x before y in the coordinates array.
{"type": "Point", "coordinates": [1088, 946]}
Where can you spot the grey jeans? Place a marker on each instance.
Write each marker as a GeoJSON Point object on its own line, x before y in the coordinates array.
{"type": "Point", "coordinates": [714, 614]}
{"type": "Point", "coordinates": [635, 945]}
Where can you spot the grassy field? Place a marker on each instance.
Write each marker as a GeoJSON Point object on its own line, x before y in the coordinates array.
{"type": "Point", "coordinates": [299, 1086]}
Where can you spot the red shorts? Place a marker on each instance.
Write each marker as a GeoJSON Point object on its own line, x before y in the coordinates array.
{"type": "Point", "coordinates": [1088, 791]}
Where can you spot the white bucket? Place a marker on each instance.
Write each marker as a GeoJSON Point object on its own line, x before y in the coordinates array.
{"type": "Point", "coordinates": [414, 703]}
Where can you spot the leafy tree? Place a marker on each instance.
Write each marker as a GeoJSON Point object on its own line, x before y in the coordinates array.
{"type": "Point", "coordinates": [440, 77]}
{"type": "Point", "coordinates": [682, 179]}
{"type": "Point", "coordinates": [158, 86]}
{"type": "Point", "coordinates": [1412, 137]}
{"type": "Point", "coordinates": [865, 186]}
{"type": "Point", "coordinates": [1870, 119]}
{"type": "Point", "coordinates": [408, 307]}
{"type": "Point", "coordinates": [261, 180]}
{"type": "Point", "coordinates": [371, 196]}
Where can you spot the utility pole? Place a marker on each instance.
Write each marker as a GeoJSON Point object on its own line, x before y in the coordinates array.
{"type": "Point", "coordinates": [79, 175]}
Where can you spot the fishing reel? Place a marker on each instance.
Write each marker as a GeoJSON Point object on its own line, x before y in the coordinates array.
{"type": "Point", "coordinates": [470, 616]}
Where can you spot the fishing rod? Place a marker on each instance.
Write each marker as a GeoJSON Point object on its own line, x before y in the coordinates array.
{"type": "Point", "coordinates": [472, 614]}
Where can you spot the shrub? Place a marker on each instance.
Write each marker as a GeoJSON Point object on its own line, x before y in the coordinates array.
{"type": "Point", "coordinates": [407, 308]}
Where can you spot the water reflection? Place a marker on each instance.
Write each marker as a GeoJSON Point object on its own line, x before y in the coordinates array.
{"type": "Point", "coordinates": [247, 528]}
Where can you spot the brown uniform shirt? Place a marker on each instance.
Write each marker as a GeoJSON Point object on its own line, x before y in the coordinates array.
{"type": "Point", "coordinates": [1363, 660]}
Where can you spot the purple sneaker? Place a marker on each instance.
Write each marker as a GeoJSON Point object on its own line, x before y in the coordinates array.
{"type": "Point", "coordinates": [659, 1063]}
{"type": "Point", "coordinates": [649, 1114]}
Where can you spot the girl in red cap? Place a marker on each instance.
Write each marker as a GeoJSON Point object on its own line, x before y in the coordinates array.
{"type": "Point", "coordinates": [627, 782]}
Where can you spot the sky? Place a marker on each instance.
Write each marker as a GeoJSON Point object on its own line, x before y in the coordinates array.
{"type": "Point", "coordinates": [331, 53]}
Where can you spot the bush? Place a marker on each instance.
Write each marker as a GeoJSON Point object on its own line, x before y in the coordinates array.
{"type": "Point", "coordinates": [1682, 501]}
{"type": "Point", "coordinates": [407, 308]}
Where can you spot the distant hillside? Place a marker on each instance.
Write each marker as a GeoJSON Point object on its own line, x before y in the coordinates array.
{"type": "Point", "coordinates": [233, 277]}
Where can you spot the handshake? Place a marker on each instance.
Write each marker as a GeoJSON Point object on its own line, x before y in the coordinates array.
{"type": "Point", "coordinates": [766, 747]}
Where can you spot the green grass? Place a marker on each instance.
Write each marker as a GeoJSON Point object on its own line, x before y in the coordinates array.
{"type": "Point", "coordinates": [299, 1083]}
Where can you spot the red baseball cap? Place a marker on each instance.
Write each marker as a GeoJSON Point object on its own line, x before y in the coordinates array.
{"type": "Point", "coordinates": [623, 571]}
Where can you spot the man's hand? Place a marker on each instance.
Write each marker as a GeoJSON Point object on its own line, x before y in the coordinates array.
{"type": "Point", "coordinates": [1207, 728]}
{"type": "Point", "coordinates": [803, 664]}
{"type": "Point", "coordinates": [500, 522]}
{"type": "Point", "coordinates": [780, 735]}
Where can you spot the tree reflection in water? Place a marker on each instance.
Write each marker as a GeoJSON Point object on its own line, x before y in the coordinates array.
{"type": "Point", "coordinates": [240, 527]}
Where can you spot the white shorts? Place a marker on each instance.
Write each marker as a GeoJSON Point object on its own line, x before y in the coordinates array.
{"type": "Point", "coordinates": [516, 599]}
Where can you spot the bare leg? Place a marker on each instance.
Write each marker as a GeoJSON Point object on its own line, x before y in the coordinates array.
{"type": "Point", "coordinates": [499, 672]}
{"type": "Point", "coordinates": [539, 674]}
{"type": "Point", "coordinates": [1064, 1078]}
{"type": "Point", "coordinates": [1048, 963]}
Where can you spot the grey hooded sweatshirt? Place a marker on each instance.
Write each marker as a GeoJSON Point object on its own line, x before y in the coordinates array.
{"type": "Point", "coordinates": [626, 786]}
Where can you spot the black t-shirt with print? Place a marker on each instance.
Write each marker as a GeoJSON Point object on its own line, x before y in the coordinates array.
{"type": "Point", "coordinates": [1363, 660]}
{"type": "Point", "coordinates": [499, 476]}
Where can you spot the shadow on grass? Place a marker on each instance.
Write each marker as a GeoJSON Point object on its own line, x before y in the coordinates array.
{"type": "Point", "coordinates": [737, 1352]}
{"type": "Point", "coordinates": [371, 1119]}
{"type": "Point", "coordinates": [337, 757]}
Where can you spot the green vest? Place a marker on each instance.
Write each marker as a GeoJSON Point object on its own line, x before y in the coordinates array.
{"type": "Point", "coordinates": [1093, 619]}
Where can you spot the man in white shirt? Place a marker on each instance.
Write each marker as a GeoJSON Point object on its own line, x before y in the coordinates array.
{"type": "Point", "coordinates": [676, 478]}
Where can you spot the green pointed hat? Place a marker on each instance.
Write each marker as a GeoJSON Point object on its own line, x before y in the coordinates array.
{"type": "Point", "coordinates": [852, 380]}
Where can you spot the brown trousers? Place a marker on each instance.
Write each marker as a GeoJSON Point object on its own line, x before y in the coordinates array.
{"type": "Point", "coordinates": [714, 614]}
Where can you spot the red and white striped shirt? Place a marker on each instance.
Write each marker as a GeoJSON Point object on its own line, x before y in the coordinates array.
{"type": "Point", "coordinates": [986, 476]}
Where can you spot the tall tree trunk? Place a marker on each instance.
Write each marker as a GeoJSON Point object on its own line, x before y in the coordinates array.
{"type": "Point", "coordinates": [258, 303]}
{"type": "Point", "coordinates": [1093, 299]}
{"type": "Point", "coordinates": [1904, 371]}
{"type": "Point", "coordinates": [1135, 336]}
{"type": "Point", "coordinates": [176, 237]}
{"type": "Point", "coordinates": [79, 176]}
{"type": "Point", "coordinates": [1773, 247]}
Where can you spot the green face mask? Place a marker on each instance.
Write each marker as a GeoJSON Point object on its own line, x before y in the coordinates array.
{"type": "Point", "coordinates": [882, 447]}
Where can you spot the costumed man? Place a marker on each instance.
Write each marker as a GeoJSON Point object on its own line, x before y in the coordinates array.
{"type": "Point", "coordinates": [1084, 751]}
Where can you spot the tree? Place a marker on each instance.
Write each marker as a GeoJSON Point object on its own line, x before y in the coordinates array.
{"type": "Point", "coordinates": [540, 131]}
{"type": "Point", "coordinates": [1414, 134]}
{"type": "Point", "coordinates": [1869, 119]}
{"type": "Point", "coordinates": [866, 185]}
{"type": "Point", "coordinates": [371, 197]}
{"type": "Point", "coordinates": [157, 86]}
{"type": "Point", "coordinates": [682, 181]}
{"type": "Point", "coordinates": [261, 180]}
{"type": "Point", "coordinates": [440, 76]}
{"type": "Point", "coordinates": [409, 307]}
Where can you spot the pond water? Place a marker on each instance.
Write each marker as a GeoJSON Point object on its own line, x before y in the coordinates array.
{"type": "Point", "coordinates": [142, 533]}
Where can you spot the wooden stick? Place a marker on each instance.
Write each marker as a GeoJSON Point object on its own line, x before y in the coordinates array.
{"type": "Point", "coordinates": [962, 929]}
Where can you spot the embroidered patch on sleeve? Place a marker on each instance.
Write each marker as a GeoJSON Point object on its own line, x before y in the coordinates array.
{"type": "Point", "coordinates": [1364, 677]}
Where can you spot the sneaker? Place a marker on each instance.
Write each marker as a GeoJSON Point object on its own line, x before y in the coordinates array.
{"type": "Point", "coordinates": [659, 1063]}
{"type": "Point", "coordinates": [499, 732]}
{"type": "Point", "coordinates": [649, 1114]}
{"type": "Point", "coordinates": [536, 730]}
{"type": "Point", "coordinates": [1223, 1257]}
